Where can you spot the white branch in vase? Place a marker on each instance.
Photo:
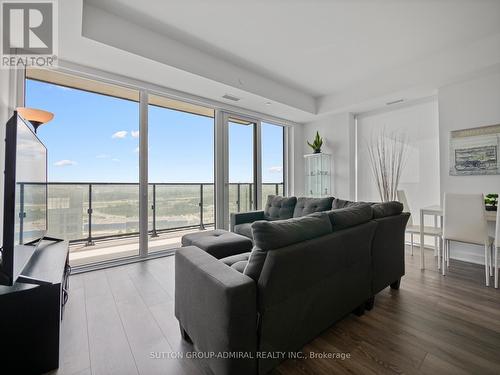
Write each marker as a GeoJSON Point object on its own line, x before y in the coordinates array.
{"type": "Point", "coordinates": [387, 154]}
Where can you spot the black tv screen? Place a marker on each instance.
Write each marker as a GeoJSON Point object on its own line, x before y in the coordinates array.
{"type": "Point", "coordinates": [25, 197]}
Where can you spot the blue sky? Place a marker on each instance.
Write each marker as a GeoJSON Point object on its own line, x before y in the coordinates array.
{"type": "Point", "coordinates": [95, 138]}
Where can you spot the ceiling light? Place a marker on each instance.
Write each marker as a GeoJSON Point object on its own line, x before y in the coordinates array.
{"type": "Point", "coordinates": [395, 102]}
{"type": "Point", "coordinates": [231, 97]}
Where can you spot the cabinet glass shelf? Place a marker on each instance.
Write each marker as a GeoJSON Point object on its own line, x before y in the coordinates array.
{"type": "Point", "coordinates": [318, 173]}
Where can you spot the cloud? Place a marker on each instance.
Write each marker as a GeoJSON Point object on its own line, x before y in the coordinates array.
{"type": "Point", "coordinates": [115, 159]}
{"type": "Point", "coordinates": [102, 156]}
{"type": "Point", "coordinates": [134, 133]}
{"type": "Point", "coordinates": [65, 163]}
{"type": "Point", "coordinates": [136, 150]}
{"type": "Point", "coordinates": [276, 169]}
{"type": "Point", "coordinates": [120, 135]}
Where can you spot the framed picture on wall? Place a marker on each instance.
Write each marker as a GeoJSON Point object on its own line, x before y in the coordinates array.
{"type": "Point", "coordinates": [475, 151]}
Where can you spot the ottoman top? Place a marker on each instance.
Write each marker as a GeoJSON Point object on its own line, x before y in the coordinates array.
{"type": "Point", "coordinates": [218, 242]}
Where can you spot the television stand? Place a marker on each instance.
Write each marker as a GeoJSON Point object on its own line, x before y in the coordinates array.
{"type": "Point", "coordinates": [31, 280]}
{"type": "Point", "coordinates": [53, 239]}
{"type": "Point", "coordinates": [31, 312]}
{"type": "Point", "coordinates": [34, 281]}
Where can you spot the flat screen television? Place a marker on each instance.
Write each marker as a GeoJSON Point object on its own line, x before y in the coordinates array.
{"type": "Point", "coordinates": [25, 198]}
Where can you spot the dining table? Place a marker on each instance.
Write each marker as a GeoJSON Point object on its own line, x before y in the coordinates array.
{"type": "Point", "coordinates": [437, 212]}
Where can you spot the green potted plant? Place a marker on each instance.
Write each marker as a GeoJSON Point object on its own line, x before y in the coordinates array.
{"type": "Point", "coordinates": [491, 201]}
{"type": "Point", "coordinates": [317, 143]}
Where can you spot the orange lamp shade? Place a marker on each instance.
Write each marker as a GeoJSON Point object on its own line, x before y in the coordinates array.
{"type": "Point", "coordinates": [37, 117]}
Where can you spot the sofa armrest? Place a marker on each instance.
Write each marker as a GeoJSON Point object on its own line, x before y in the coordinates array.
{"type": "Point", "coordinates": [245, 217]}
{"type": "Point", "coordinates": [388, 250]}
{"type": "Point", "coordinates": [217, 307]}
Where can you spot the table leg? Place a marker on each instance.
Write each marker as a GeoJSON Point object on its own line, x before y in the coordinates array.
{"type": "Point", "coordinates": [422, 259]}
{"type": "Point", "coordinates": [441, 242]}
{"type": "Point", "coordinates": [435, 238]}
{"type": "Point", "coordinates": [446, 243]}
{"type": "Point", "coordinates": [496, 265]}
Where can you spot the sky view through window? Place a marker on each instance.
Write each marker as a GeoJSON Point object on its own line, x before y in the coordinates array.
{"type": "Point", "coordinates": [95, 138]}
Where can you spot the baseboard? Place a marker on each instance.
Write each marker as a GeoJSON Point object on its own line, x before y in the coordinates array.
{"type": "Point", "coordinates": [458, 251]}
{"type": "Point", "coordinates": [467, 253]}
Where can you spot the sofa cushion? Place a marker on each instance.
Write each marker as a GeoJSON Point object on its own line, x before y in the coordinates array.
{"type": "Point", "coordinates": [341, 203]}
{"type": "Point", "coordinates": [270, 235]}
{"type": "Point", "coordinates": [235, 258]}
{"type": "Point", "coordinates": [244, 229]}
{"type": "Point", "coordinates": [386, 209]}
{"type": "Point", "coordinates": [240, 266]}
{"type": "Point", "coordinates": [279, 208]}
{"type": "Point", "coordinates": [350, 216]}
{"type": "Point", "coordinates": [218, 243]}
{"type": "Point", "coordinates": [306, 206]}
{"type": "Point", "coordinates": [238, 261]}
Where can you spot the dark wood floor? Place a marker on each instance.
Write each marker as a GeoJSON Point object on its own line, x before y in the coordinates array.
{"type": "Point", "coordinates": [433, 325]}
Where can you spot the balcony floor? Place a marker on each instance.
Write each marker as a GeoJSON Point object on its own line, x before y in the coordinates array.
{"type": "Point", "coordinates": [103, 250]}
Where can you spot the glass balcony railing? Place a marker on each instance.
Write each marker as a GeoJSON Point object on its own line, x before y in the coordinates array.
{"type": "Point", "coordinates": [87, 212]}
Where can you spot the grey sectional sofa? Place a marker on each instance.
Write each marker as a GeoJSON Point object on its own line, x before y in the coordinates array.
{"type": "Point", "coordinates": [302, 275]}
{"type": "Point", "coordinates": [278, 208]}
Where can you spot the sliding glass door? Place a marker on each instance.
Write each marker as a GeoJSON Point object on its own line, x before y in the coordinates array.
{"type": "Point", "coordinates": [93, 176]}
{"type": "Point", "coordinates": [180, 170]}
{"type": "Point", "coordinates": [241, 160]}
{"type": "Point", "coordinates": [272, 149]}
{"type": "Point", "coordinates": [131, 171]}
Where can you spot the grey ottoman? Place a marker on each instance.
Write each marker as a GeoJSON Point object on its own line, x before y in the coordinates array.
{"type": "Point", "coordinates": [218, 243]}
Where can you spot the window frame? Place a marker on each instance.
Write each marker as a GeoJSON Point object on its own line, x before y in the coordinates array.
{"type": "Point", "coordinates": [221, 110]}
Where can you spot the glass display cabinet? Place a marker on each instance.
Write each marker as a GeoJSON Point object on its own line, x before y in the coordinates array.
{"type": "Point", "coordinates": [318, 173]}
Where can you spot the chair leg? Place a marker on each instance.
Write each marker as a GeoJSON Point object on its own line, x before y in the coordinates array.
{"type": "Point", "coordinates": [443, 258]}
{"type": "Point", "coordinates": [435, 237]}
{"type": "Point", "coordinates": [448, 255]}
{"type": "Point", "coordinates": [496, 266]}
{"type": "Point", "coordinates": [411, 240]}
{"type": "Point", "coordinates": [486, 266]}
{"type": "Point", "coordinates": [491, 261]}
{"type": "Point", "coordinates": [440, 252]}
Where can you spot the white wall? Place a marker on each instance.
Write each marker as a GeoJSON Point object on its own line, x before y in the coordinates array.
{"type": "Point", "coordinates": [461, 106]}
{"type": "Point", "coordinates": [420, 177]}
{"type": "Point", "coordinates": [338, 140]}
{"type": "Point", "coordinates": [465, 105]}
{"type": "Point", "coordinates": [297, 168]}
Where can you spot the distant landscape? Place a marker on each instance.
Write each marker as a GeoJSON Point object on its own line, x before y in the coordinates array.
{"type": "Point", "coordinates": [115, 207]}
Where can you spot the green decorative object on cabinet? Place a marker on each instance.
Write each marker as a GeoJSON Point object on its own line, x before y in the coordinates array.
{"type": "Point", "coordinates": [317, 143]}
{"type": "Point", "coordinates": [491, 202]}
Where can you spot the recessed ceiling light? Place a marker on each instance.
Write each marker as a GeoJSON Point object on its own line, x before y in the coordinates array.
{"type": "Point", "coordinates": [231, 97]}
{"type": "Point", "coordinates": [395, 102]}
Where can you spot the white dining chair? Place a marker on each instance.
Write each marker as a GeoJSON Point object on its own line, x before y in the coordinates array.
{"type": "Point", "coordinates": [465, 221]}
{"type": "Point", "coordinates": [495, 247]}
{"type": "Point", "coordinates": [412, 228]}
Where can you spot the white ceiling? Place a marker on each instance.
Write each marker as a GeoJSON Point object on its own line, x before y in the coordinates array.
{"type": "Point", "coordinates": [330, 51]}
{"type": "Point", "coordinates": [320, 47]}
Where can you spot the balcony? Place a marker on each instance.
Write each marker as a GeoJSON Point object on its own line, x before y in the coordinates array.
{"type": "Point", "coordinates": [101, 220]}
